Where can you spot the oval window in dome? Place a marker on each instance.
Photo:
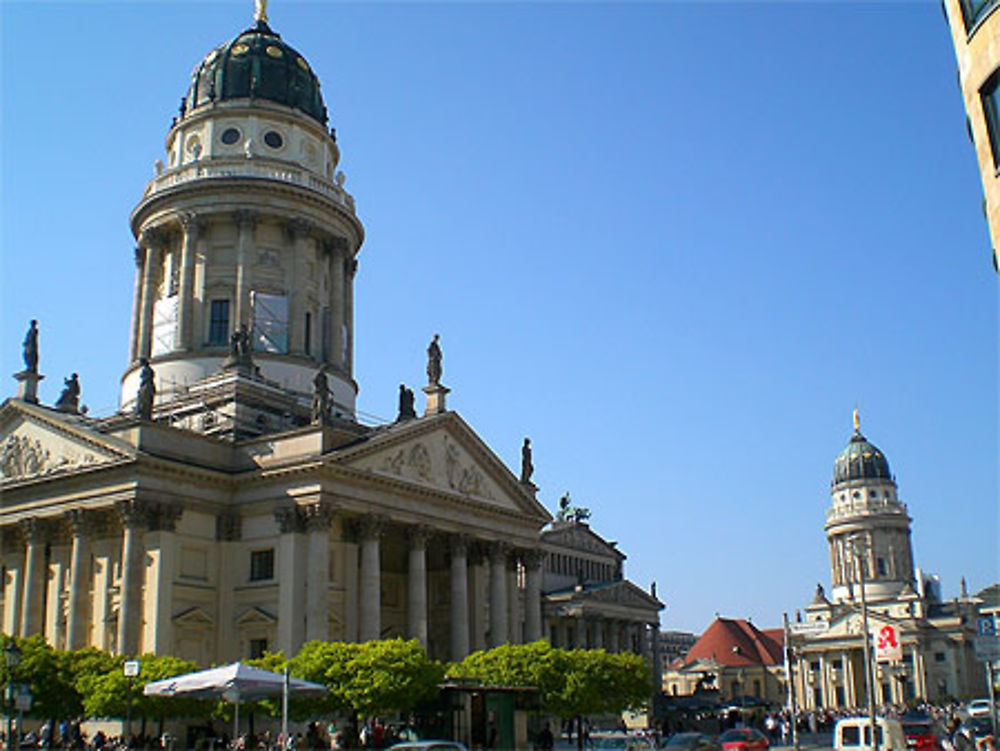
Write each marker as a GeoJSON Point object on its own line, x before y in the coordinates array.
{"type": "Point", "coordinates": [240, 49]}
{"type": "Point", "coordinates": [230, 136]}
{"type": "Point", "coordinates": [273, 139]}
{"type": "Point", "coordinates": [273, 51]}
{"type": "Point", "coordinates": [302, 64]}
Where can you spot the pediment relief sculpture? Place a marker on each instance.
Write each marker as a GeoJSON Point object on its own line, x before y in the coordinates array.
{"type": "Point", "coordinates": [22, 457]}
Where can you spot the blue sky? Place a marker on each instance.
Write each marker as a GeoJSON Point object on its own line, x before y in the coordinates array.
{"type": "Point", "coordinates": [674, 243]}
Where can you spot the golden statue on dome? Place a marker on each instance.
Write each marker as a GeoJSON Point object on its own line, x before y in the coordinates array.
{"type": "Point", "coordinates": [857, 421]}
{"type": "Point", "coordinates": [260, 11]}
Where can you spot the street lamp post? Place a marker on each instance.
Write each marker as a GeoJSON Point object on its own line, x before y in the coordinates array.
{"type": "Point", "coordinates": [859, 547]}
{"type": "Point", "coordinates": [12, 656]}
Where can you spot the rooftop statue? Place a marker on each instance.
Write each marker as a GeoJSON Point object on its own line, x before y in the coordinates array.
{"type": "Point", "coordinates": [69, 399]}
{"type": "Point", "coordinates": [406, 408]}
{"type": "Point", "coordinates": [321, 399]}
{"type": "Point", "coordinates": [527, 468]}
{"type": "Point", "coordinates": [30, 350]}
{"type": "Point", "coordinates": [434, 362]}
{"type": "Point", "coordinates": [260, 11]}
{"type": "Point", "coordinates": [568, 513]}
{"type": "Point", "coordinates": [147, 391]}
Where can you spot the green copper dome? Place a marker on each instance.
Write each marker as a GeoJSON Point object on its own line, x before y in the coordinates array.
{"type": "Point", "coordinates": [256, 65]}
{"type": "Point", "coordinates": [861, 460]}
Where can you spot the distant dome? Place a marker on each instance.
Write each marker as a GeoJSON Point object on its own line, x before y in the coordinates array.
{"type": "Point", "coordinates": [860, 460]}
{"type": "Point", "coordinates": [256, 65]}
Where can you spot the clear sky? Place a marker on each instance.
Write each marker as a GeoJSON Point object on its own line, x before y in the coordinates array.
{"type": "Point", "coordinates": [673, 243]}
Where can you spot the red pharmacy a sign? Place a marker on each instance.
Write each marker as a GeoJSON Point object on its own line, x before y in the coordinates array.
{"type": "Point", "coordinates": [887, 645]}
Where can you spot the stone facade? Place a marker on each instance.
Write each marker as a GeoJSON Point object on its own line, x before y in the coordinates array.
{"type": "Point", "coordinates": [975, 32]}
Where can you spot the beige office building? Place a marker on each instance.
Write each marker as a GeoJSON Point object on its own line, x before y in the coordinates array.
{"type": "Point", "coordinates": [975, 32]}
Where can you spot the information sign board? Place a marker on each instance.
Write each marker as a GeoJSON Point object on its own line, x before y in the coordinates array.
{"type": "Point", "coordinates": [809, 628]}
{"type": "Point", "coordinates": [131, 668]}
{"type": "Point", "coordinates": [987, 648]}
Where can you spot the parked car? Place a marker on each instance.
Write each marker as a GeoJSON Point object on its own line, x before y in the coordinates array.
{"type": "Point", "coordinates": [978, 708]}
{"type": "Point", "coordinates": [744, 739]}
{"type": "Point", "coordinates": [693, 742]}
{"type": "Point", "coordinates": [976, 728]}
{"type": "Point", "coordinates": [855, 734]}
{"type": "Point", "coordinates": [428, 746]}
{"type": "Point", "coordinates": [922, 732]}
{"type": "Point", "coordinates": [617, 739]}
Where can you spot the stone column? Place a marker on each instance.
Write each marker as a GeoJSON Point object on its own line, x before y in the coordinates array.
{"type": "Point", "coordinates": [34, 577]}
{"type": "Point", "coordinates": [338, 249]}
{"type": "Point", "coordinates": [498, 594]}
{"type": "Point", "coordinates": [370, 627]}
{"type": "Point", "coordinates": [133, 350]}
{"type": "Point", "coordinates": [152, 241]}
{"type": "Point", "coordinates": [297, 232]}
{"type": "Point", "coordinates": [133, 515]}
{"type": "Point", "coordinates": [349, 272]}
{"type": "Point", "coordinates": [613, 636]}
{"type": "Point", "coordinates": [79, 587]}
{"type": "Point", "coordinates": [477, 598]}
{"type": "Point", "coordinates": [246, 223]}
{"type": "Point", "coordinates": [597, 634]}
{"type": "Point", "coordinates": [533, 596]}
{"type": "Point", "coordinates": [185, 333]}
{"type": "Point", "coordinates": [513, 601]}
{"type": "Point", "coordinates": [161, 570]}
{"type": "Point", "coordinates": [291, 587]}
{"type": "Point", "coordinates": [318, 517]}
{"type": "Point", "coordinates": [228, 530]}
{"type": "Point", "coordinates": [416, 604]}
{"type": "Point", "coordinates": [850, 692]}
{"type": "Point", "coordinates": [459, 598]}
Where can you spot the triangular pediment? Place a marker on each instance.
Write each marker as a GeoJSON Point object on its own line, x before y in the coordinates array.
{"type": "Point", "coordinates": [623, 593]}
{"type": "Point", "coordinates": [580, 537]}
{"type": "Point", "coordinates": [444, 454]}
{"type": "Point", "coordinates": [37, 442]}
{"type": "Point", "coordinates": [256, 616]}
{"type": "Point", "coordinates": [193, 617]}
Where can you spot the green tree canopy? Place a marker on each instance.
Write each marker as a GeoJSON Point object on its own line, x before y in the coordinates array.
{"type": "Point", "coordinates": [573, 682]}
{"type": "Point", "coordinates": [371, 677]}
{"type": "Point", "coordinates": [106, 693]}
{"type": "Point", "coordinates": [47, 674]}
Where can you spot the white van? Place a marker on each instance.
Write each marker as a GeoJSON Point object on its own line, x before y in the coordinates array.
{"type": "Point", "coordinates": [855, 734]}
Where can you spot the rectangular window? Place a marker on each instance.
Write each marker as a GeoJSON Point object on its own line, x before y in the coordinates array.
{"type": "Point", "coordinates": [218, 324]}
{"type": "Point", "coordinates": [973, 10]}
{"type": "Point", "coordinates": [308, 334]}
{"type": "Point", "coordinates": [849, 735]}
{"type": "Point", "coordinates": [164, 326]}
{"type": "Point", "coordinates": [261, 565]}
{"type": "Point", "coordinates": [270, 322]}
{"type": "Point", "coordinates": [257, 648]}
{"type": "Point", "coordinates": [939, 657]}
{"type": "Point", "coordinates": [880, 566]}
{"type": "Point", "coordinates": [990, 95]}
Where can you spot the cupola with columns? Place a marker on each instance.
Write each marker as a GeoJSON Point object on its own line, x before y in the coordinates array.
{"type": "Point", "coordinates": [867, 525]}
{"type": "Point", "coordinates": [246, 222]}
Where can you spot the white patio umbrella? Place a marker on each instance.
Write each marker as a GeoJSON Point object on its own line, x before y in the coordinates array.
{"type": "Point", "coordinates": [236, 683]}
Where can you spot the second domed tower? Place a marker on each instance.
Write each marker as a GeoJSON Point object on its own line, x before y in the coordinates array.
{"type": "Point", "coordinates": [867, 525]}
{"type": "Point", "coordinates": [247, 223]}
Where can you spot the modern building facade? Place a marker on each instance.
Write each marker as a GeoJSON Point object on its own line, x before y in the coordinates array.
{"type": "Point", "coordinates": [927, 643]}
{"type": "Point", "coordinates": [235, 504]}
{"type": "Point", "coordinates": [975, 32]}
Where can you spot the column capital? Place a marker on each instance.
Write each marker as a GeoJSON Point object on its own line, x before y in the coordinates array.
{"type": "Point", "coordinates": [79, 521]}
{"type": "Point", "coordinates": [335, 244]}
{"type": "Point", "coordinates": [417, 536]}
{"type": "Point", "coordinates": [245, 218]}
{"type": "Point", "coordinates": [163, 517]}
{"type": "Point", "coordinates": [498, 552]}
{"type": "Point", "coordinates": [133, 513]}
{"type": "Point", "coordinates": [318, 516]}
{"type": "Point", "coordinates": [154, 238]}
{"type": "Point", "coordinates": [289, 519]}
{"type": "Point", "coordinates": [33, 530]}
{"type": "Point", "coordinates": [533, 558]}
{"type": "Point", "coordinates": [298, 227]}
{"type": "Point", "coordinates": [459, 544]}
{"type": "Point", "coordinates": [190, 223]}
{"type": "Point", "coordinates": [371, 527]}
{"type": "Point", "coordinates": [228, 527]}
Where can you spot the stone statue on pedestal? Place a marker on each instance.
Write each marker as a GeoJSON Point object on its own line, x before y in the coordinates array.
{"type": "Point", "coordinates": [147, 391]}
{"type": "Point", "coordinates": [321, 399]}
{"type": "Point", "coordinates": [30, 349]}
{"type": "Point", "coordinates": [434, 362]}
{"type": "Point", "coordinates": [69, 399]}
{"type": "Point", "coordinates": [240, 349]}
{"type": "Point", "coordinates": [406, 408]}
{"type": "Point", "coordinates": [527, 468]}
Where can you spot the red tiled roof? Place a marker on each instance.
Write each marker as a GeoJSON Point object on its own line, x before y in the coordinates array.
{"type": "Point", "coordinates": [736, 642]}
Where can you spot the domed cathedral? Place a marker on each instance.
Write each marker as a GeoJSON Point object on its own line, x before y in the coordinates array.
{"type": "Point", "coordinates": [921, 646]}
{"type": "Point", "coordinates": [235, 504]}
{"type": "Point", "coordinates": [246, 229]}
{"type": "Point", "coordinates": [865, 509]}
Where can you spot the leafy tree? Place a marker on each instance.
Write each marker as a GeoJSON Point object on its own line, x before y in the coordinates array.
{"type": "Point", "coordinates": [571, 683]}
{"type": "Point", "coordinates": [106, 693]}
{"type": "Point", "coordinates": [372, 677]}
{"type": "Point", "coordinates": [54, 695]}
